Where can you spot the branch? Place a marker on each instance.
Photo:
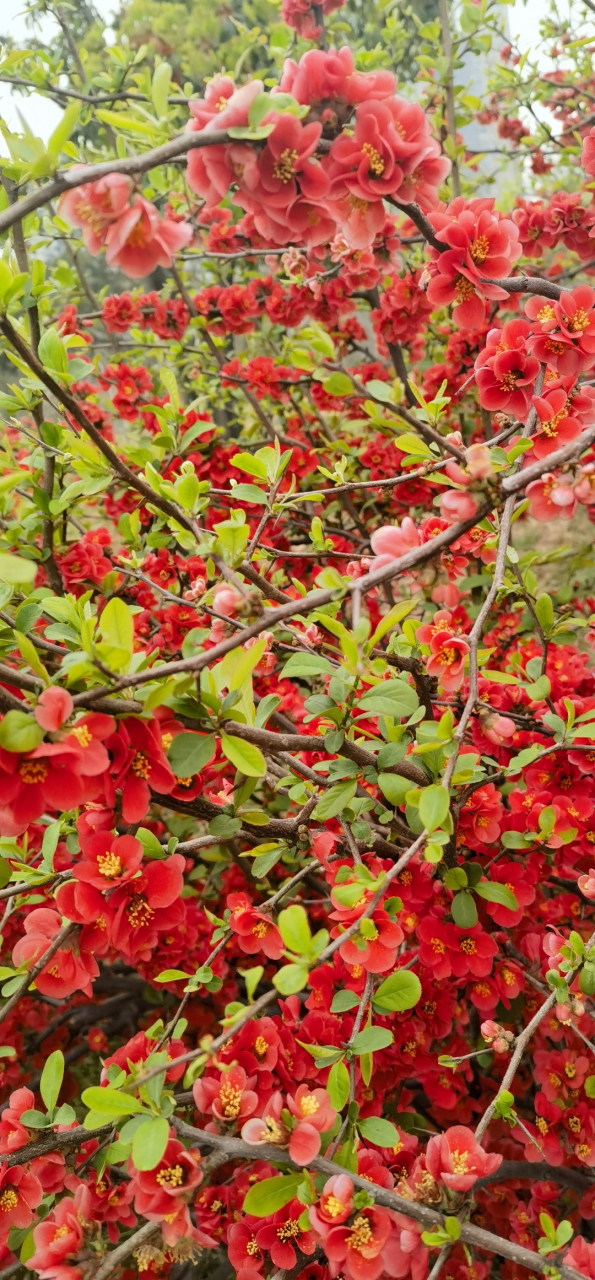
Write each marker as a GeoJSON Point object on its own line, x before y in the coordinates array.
{"type": "Point", "coordinates": [235, 1148]}
{"type": "Point", "coordinates": [130, 165]}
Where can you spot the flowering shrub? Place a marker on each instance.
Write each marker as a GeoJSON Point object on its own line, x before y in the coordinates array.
{"type": "Point", "coordinates": [297, 788]}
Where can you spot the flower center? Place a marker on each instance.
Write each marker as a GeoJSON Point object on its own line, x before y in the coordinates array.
{"type": "Point", "coordinates": [252, 1248]}
{"type": "Point", "coordinates": [9, 1199]}
{"type": "Point", "coordinates": [480, 250]}
{"type": "Point", "coordinates": [468, 946]}
{"type": "Point", "coordinates": [285, 166]}
{"type": "Point", "coordinates": [546, 313]}
{"type": "Point", "coordinates": [375, 162]}
{"type": "Point", "coordinates": [139, 912]}
{"type": "Point", "coordinates": [33, 771]}
{"type": "Point", "coordinates": [82, 735]}
{"type": "Point", "coordinates": [542, 1125]}
{"type": "Point", "coordinates": [508, 382]}
{"type": "Point", "coordinates": [110, 865]}
{"type": "Point", "coordinates": [261, 929]}
{"type": "Point", "coordinates": [333, 1206]}
{"type": "Point", "coordinates": [438, 946]}
{"type": "Point", "coordinates": [361, 1234]}
{"type": "Point", "coordinates": [230, 1097]}
{"type": "Point", "coordinates": [273, 1131]}
{"type": "Point", "coordinates": [260, 1047]}
{"type": "Point", "coordinates": [460, 1161]}
{"type": "Point", "coordinates": [140, 767]}
{"type": "Point", "coordinates": [309, 1106]}
{"type": "Point", "coordinates": [171, 1176]}
{"type": "Point", "coordinates": [289, 1230]}
{"type": "Point", "coordinates": [60, 1232]}
{"type": "Point", "coordinates": [578, 322]}
{"type": "Point", "coordinates": [463, 289]}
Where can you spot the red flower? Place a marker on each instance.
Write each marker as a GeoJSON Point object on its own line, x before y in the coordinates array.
{"type": "Point", "coordinates": [229, 1098]}
{"type": "Point", "coordinates": [457, 1160]}
{"type": "Point", "coordinates": [108, 860]}
{"type": "Point", "coordinates": [505, 373]}
{"type": "Point", "coordinates": [357, 1249]}
{"type": "Point", "coordinates": [377, 951]}
{"type": "Point", "coordinates": [447, 661]}
{"type": "Point", "coordinates": [20, 1194]}
{"type": "Point", "coordinates": [255, 930]}
{"type": "Point", "coordinates": [139, 765]}
{"type": "Point", "coordinates": [557, 426]}
{"type": "Point", "coordinates": [279, 1237]}
{"type": "Point", "coordinates": [60, 1235]}
{"type": "Point", "coordinates": [147, 906]}
{"type": "Point", "coordinates": [69, 969]}
{"type": "Point", "coordinates": [177, 1174]}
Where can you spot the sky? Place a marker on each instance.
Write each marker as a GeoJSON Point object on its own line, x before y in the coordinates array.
{"type": "Point", "coordinates": [42, 115]}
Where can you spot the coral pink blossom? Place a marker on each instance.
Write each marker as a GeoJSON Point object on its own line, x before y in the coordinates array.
{"type": "Point", "coordinates": [550, 497]}
{"type": "Point", "coordinates": [457, 1160]}
{"type": "Point", "coordinates": [53, 708]}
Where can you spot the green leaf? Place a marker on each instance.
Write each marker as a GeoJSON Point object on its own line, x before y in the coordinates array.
{"type": "Point", "coordinates": [172, 975]}
{"type": "Point", "coordinates": [544, 608]}
{"type": "Point", "coordinates": [294, 929]}
{"type": "Point", "coordinates": [335, 800]}
{"type": "Point", "coordinates": [149, 1143]}
{"type": "Point", "coordinates": [344, 1000]}
{"type": "Point", "coordinates": [244, 755]}
{"type": "Point", "coordinates": [381, 1132]}
{"type": "Point", "coordinates": [159, 94]}
{"type": "Point", "coordinates": [151, 845]}
{"type": "Point", "coordinates": [65, 128]}
{"type": "Point", "coordinates": [254, 466]}
{"type": "Point", "coordinates": [338, 1085]}
{"type": "Point", "coordinates": [290, 979]}
{"type": "Point", "coordinates": [51, 1079]}
{"type": "Point", "coordinates": [371, 1039]}
{"type": "Point", "coordinates": [401, 991]}
{"type": "Point", "coordinates": [190, 752]}
{"type": "Point", "coordinates": [272, 1194]}
{"type": "Point", "coordinates": [434, 804]}
{"type": "Point", "coordinates": [116, 625]}
{"type": "Point", "coordinates": [110, 1102]}
{"type": "Point", "coordinates": [338, 385]}
{"type": "Point", "coordinates": [20, 732]}
{"type": "Point", "coordinates": [307, 664]}
{"type": "Point", "coordinates": [390, 698]}
{"type": "Point", "coordinates": [266, 861]}
{"type": "Point", "coordinates": [249, 493]}
{"type": "Point", "coordinates": [499, 677]}
{"type": "Point", "coordinates": [497, 893]}
{"type": "Point", "coordinates": [464, 911]}
{"type": "Point", "coordinates": [393, 787]}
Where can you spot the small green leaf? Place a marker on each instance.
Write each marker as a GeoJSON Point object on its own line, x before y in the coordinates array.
{"type": "Point", "coordinates": [338, 1085]}
{"type": "Point", "coordinates": [294, 929]}
{"type": "Point", "coordinates": [51, 1079]}
{"type": "Point", "coordinates": [381, 1132]}
{"type": "Point", "coordinates": [244, 755]}
{"type": "Point", "coordinates": [149, 1143]}
{"type": "Point", "coordinates": [434, 804]}
{"type": "Point", "coordinates": [371, 1039]}
{"type": "Point", "coordinates": [110, 1102]}
{"type": "Point", "coordinates": [464, 911]}
{"type": "Point", "coordinates": [307, 664]}
{"type": "Point", "coordinates": [401, 991]}
{"type": "Point", "coordinates": [190, 752]}
{"type": "Point", "coordinates": [270, 1195]}
{"type": "Point", "coordinates": [19, 732]}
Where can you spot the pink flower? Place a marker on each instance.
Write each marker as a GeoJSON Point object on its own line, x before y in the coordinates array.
{"type": "Point", "coordinates": [550, 497]}
{"type": "Point", "coordinates": [95, 206]}
{"type": "Point", "coordinates": [447, 662]}
{"type": "Point", "coordinates": [20, 1194]}
{"type": "Point", "coordinates": [53, 708]}
{"type": "Point", "coordinates": [581, 1255]}
{"type": "Point", "coordinates": [315, 1115]}
{"type": "Point", "coordinates": [456, 505]}
{"type": "Point", "coordinates": [478, 461]}
{"type": "Point", "coordinates": [335, 1204]}
{"type": "Point", "coordinates": [498, 728]}
{"type": "Point", "coordinates": [229, 1098]}
{"type": "Point", "coordinates": [457, 1160]}
{"type": "Point", "coordinates": [557, 426]}
{"type": "Point", "coordinates": [109, 860]}
{"type": "Point", "coordinates": [357, 1249]}
{"type": "Point", "coordinates": [331, 75]}
{"type": "Point", "coordinates": [505, 373]}
{"type": "Point", "coordinates": [588, 163]}
{"type": "Point", "coordinates": [392, 541]}
{"type": "Point", "coordinates": [586, 884]}
{"type": "Point", "coordinates": [140, 240]}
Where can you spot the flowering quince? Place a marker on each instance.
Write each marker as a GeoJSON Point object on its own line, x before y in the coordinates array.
{"type": "Point", "coordinates": [255, 931]}
{"type": "Point", "coordinates": [229, 1099]}
{"type": "Point", "coordinates": [71, 968]}
{"type": "Point", "coordinates": [457, 1160]}
{"type": "Point", "coordinates": [167, 593]}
